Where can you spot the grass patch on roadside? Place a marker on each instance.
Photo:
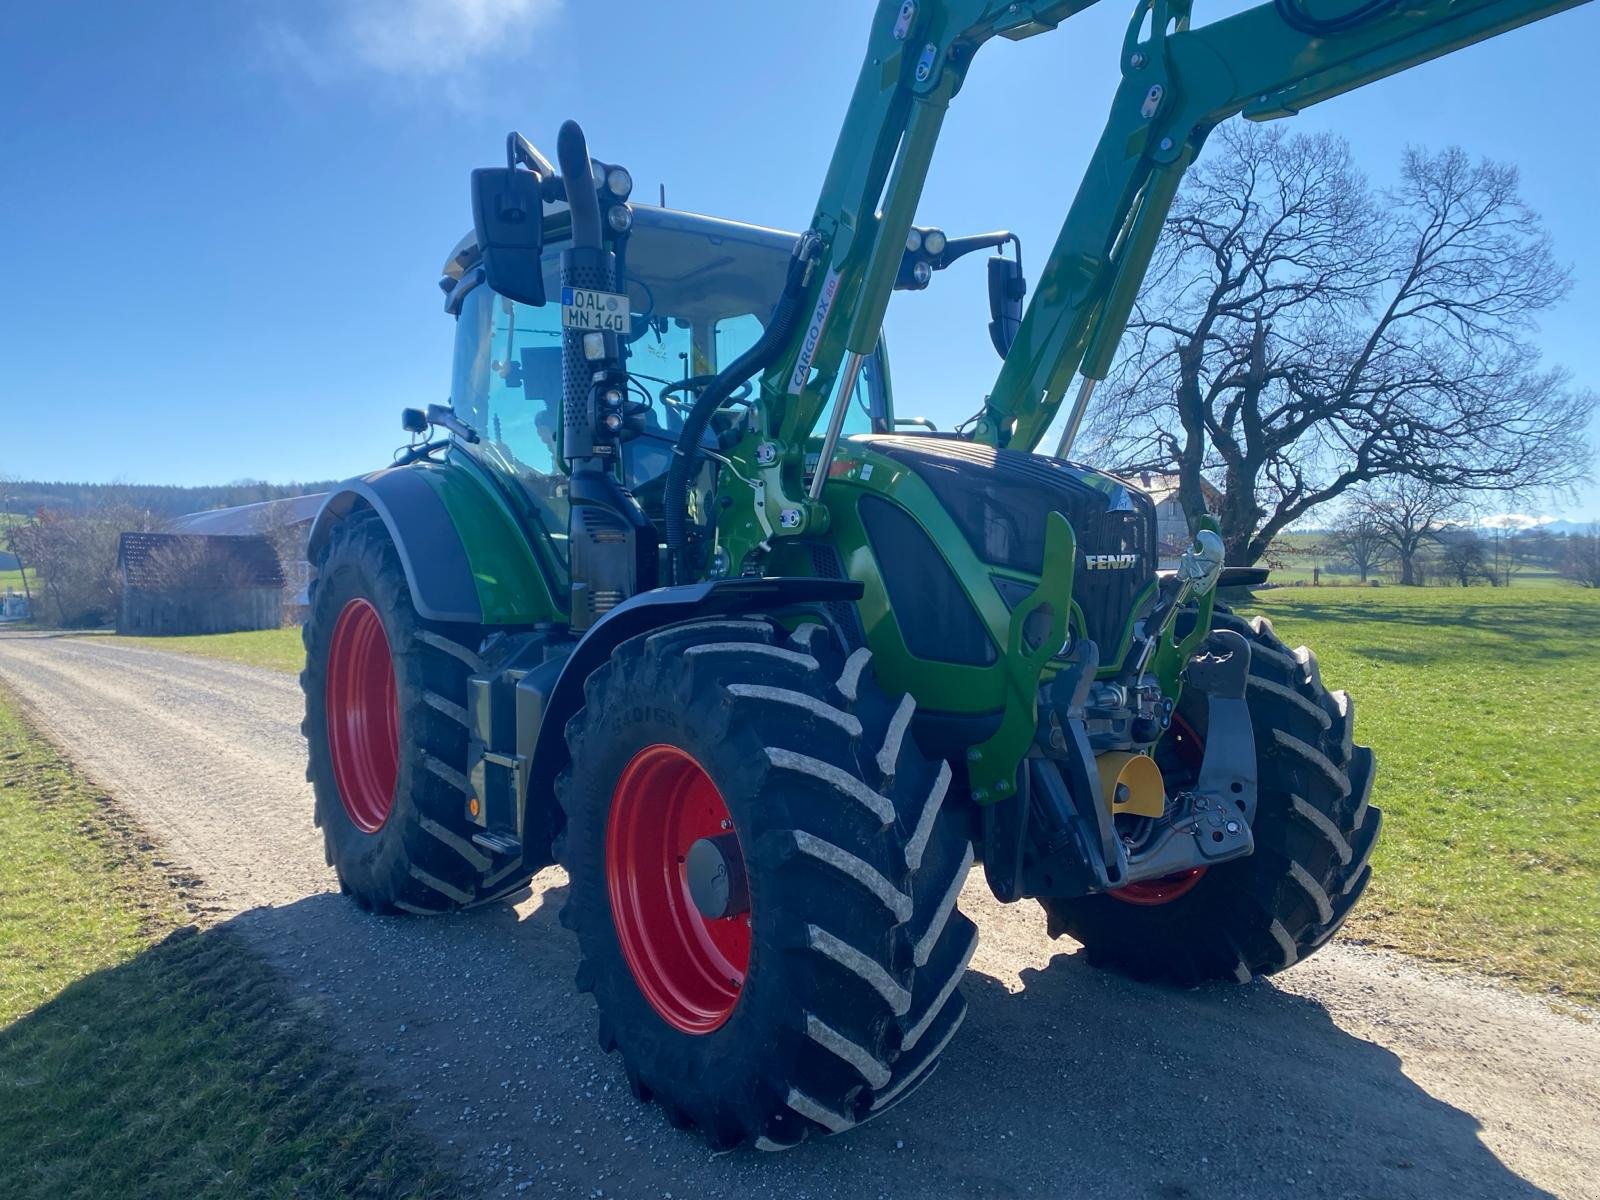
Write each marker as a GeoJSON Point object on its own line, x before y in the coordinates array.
{"type": "Point", "coordinates": [279, 649]}
{"type": "Point", "coordinates": [140, 1056]}
{"type": "Point", "coordinates": [1480, 707]}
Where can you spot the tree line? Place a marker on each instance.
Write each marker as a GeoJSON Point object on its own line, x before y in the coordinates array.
{"type": "Point", "coordinates": [1410, 545]}
{"type": "Point", "coordinates": [162, 501]}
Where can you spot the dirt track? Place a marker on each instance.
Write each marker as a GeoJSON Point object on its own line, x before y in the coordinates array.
{"type": "Point", "coordinates": [1355, 1075]}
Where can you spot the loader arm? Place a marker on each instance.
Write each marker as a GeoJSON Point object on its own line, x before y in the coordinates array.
{"type": "Point", "coordinates": [1178, 84]}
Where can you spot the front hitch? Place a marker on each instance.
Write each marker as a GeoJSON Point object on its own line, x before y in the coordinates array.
{"type": "Point", "coordinates": [1211, 822]}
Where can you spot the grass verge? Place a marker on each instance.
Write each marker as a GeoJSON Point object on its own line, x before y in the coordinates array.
{"type": "Point", "coordinates": [1480, 707]}
{"type": "Point", "coordinates": [279, 649]}
{"type": "Point", "coordinates": [143, 1057]}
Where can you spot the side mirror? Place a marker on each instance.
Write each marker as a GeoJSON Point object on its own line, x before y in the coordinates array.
{"type": "Point", "coordinates": [413, 420]}
{"type": "Point", "coordinates": [508, 217]}
{"type": "Point", "coordinates": [1007, 287]}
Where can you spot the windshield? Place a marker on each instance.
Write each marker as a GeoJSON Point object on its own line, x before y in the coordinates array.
{"type": "Point", "coordinates": [699, 291]}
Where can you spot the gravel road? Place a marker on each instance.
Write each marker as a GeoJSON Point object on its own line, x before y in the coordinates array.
{"type": "Point", "coordinates": [1358, 1074]}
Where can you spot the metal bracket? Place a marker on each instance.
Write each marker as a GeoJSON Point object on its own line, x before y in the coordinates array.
{"type": "Point", "coordinates": [992, 764]}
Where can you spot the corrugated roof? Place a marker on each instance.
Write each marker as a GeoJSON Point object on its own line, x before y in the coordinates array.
{"type": "Point", "coordinates": [261, 517]}
{"type": "Point", "coordinates": [187, 561]}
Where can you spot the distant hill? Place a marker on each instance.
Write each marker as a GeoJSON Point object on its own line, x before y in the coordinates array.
{"type": "Point", "coordinates": [1569, 526]}
{"type": "Point", "coordinates": [163, 500]}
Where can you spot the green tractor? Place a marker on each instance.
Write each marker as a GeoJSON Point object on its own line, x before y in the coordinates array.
{"type": "Point", "coordinates": [670, 595]}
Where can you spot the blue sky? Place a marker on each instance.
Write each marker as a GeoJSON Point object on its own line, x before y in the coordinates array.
{"type": "Point", "coordinates": [225, 221]}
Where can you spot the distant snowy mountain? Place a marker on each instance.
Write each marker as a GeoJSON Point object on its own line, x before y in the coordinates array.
{"type": "Point", "coordinates": [1523, 522]}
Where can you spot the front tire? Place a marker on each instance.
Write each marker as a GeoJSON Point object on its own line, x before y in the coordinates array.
{"type": "Point", "coordinates": [831, 994]}
{"type": "Point", "coordinates": [1315, 830]}
{"type": "Point", "coordinates": [386, 731]}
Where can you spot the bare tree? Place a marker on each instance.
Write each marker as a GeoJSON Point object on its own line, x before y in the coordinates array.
{"type": "Point", "coordinates": [1358, 540]}
{"type": "Point", "coordinates": [1298, 336]}
{"type": "Point", "coordinates": [1580, 560]}
{"type": "Point", "coordinates": [1407, 515]}
{"type": "Point", "coordinates": [73, 557]}
{"type": "Point", "coordinates": [1463, 557]}
{"type": "Point", "coordinates": [1500, 554]}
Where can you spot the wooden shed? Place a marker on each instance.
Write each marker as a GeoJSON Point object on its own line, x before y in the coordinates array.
{"type": "Point", "coordinates": [178, 583]}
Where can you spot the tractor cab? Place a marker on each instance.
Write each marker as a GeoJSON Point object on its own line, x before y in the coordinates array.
{"type": "Point", "coordinates": [699, 289]}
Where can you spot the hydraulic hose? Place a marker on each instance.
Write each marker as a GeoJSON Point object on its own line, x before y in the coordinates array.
{"type": "Point", "coordinates": [572, 152]}
{"type": "Point", "coordinates": [773, 341]}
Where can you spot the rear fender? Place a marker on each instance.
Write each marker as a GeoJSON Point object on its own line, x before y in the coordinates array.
{"type": "Point", "coordinates": [465, 555]}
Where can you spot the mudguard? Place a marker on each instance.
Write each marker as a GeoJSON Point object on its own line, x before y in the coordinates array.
{"type": "Point", "coordinates": [465, 554]}
{"type": "Point", "coordinates": [641, 614]}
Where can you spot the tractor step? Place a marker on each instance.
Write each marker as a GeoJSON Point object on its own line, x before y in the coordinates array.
{"type": "Point", "coordinates": [497, 843]}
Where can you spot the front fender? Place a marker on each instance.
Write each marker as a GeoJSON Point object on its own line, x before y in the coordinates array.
{"type": "Point", "coordinates": [644, 613]}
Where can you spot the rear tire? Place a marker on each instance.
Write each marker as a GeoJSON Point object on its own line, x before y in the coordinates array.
{"type": "Point", "coordinates": [1314, 829]}
{"type": "Point", "coordinates": [853, 948]}
{"type": "Point", "coordinates": [406, 847]}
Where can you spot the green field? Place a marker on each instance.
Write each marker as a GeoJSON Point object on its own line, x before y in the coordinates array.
{"type": "Point", "coordinates": [140, 1056]}
{"type": "Point", "coordinates": [1480, 706]}
{"type": "Point", "coordinates": [13, 580]}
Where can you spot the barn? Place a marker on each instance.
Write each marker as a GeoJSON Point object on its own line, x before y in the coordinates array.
{"type": "Point", "coordinates": [1172, 526]}
{"type": "Point", "coordinates": [286, 523]}
{"type": "Point", "coordinates": [179, 583]}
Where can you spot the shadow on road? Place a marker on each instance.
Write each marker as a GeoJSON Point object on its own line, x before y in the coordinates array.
{"type": "Point", "coordinates": [1080, 1083]}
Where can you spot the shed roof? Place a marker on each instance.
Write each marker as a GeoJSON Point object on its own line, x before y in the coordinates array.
{"type": "Point", "coordinates": [261, 517]}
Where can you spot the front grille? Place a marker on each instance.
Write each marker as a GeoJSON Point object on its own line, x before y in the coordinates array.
{"type": "Point", "coordinates": [935, 616]}
{"type": "Point", "coordinates": [1001, 498]}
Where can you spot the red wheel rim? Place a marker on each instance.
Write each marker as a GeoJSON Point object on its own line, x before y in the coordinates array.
{"type": "Point", "coordinates": [363, 716]}
{"type": "Point", "coordinates": [690, 968]}
{"type": "Point", "coordinates": [1189, 749]}
{"type": "Point", "coordinates": [1160, 891]}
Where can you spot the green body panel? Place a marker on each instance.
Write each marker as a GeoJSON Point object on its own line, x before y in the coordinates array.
{"type": "Point", "coordinates": [1008, 686]}
{"type": "Point", "coordinates": [992, 764]}
{"type": "Point", "coordinates": [514, 587]}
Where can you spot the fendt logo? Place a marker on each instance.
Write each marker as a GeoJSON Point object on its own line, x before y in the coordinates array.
{"type": "Point", "coordinates": [1109, 562]}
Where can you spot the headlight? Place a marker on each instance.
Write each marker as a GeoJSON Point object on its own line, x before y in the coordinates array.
{"type": "Point", "coordinates": [934, 242]}
{"type": "Point", "coordinates": [922, 272]}
{"type": "Point", "coordinates": [620, 217]}
{"type": "Point", "coordinates": [914, 240]}
{"type": "Point", "coordinates": [619, 183]}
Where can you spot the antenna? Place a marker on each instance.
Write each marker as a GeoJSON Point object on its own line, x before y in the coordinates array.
{"type": "Point", "coordinates": [663, 195]}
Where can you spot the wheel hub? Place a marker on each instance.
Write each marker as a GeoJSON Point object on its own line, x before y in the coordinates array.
{"type": "Point", "coordinates": [676, 877]}
{"type": "Point", "coordinates": [714, 871]}
{"type": "Point", "coordinates": [363, 715]}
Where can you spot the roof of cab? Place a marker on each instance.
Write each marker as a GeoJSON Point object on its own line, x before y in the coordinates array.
{"type": "Point", "coordinates": [465, 254]}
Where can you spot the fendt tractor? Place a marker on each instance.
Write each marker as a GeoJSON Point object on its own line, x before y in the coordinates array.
{"type": "Point", "coordinates": [670, 595]}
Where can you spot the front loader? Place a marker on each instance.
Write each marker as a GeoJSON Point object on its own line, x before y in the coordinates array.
{"type": "Point", "coordinates": [669, 595]}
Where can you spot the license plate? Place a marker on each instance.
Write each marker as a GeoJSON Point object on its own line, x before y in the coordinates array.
{"type": "Point", "coordinates": [583, 308]}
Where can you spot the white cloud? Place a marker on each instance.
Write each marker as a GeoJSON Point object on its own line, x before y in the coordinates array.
{"type": "Point", "coordinates": [411, 38]}
{"type": "Point", "coordinates": [1515, 521]}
